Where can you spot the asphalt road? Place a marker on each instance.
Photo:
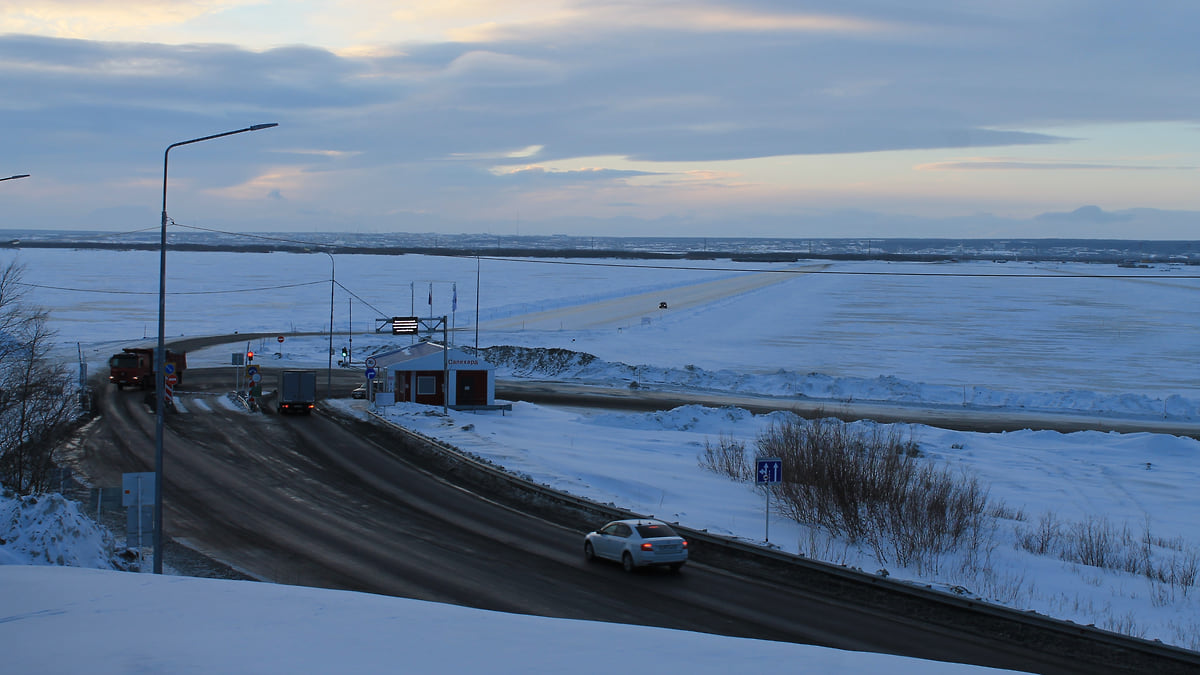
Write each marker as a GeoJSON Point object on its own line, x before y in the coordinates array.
{"type": "Point", "coordinates": [622, 310]}
{"type": "Point", "coordinates": [325, 501]}
{"type": "Point", "coordinates": [946, 417]}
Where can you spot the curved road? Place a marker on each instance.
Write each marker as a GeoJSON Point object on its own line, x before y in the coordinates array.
{"type": "Point", "coordinates": [324, 501]}
{"type": "Point", "coordinates": [946, 417]}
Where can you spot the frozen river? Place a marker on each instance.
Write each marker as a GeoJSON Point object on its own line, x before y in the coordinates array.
{"type": "Point", "coordinates": [1009, 327]}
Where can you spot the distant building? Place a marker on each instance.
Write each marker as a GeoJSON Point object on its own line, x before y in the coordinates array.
{"type": "Point", "coordinates": [430, 374]}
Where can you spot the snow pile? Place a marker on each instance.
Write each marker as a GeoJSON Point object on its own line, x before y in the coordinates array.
{"type": "Point", "coordinates": [562, 364]}
{"type": "Point", "coordinates": [695, 418]}
{"type": "Point", "coordinates": [52, 530]}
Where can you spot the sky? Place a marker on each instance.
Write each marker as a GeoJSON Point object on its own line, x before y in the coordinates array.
{"type": "Point", "coordinates": [938, 118]}
{"type": "Point", "coordinates": [1138, 484]}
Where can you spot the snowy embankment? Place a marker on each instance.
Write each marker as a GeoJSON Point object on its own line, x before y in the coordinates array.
{"type": "Point", "coordinates": [560, 364]}
{"type": "Point", "coordinates": [170, 624]}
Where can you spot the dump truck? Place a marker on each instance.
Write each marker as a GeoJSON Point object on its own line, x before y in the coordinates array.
{"type": "Point", "coordinates": [134, 367]}
{"type": "Point", "coordinates": [297, 391]}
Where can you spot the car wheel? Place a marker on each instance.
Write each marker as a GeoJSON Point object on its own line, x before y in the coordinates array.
{"type": "Point", "coordinates": [627, 562]}
{"type": "Point", "coordinates": [589, 553]}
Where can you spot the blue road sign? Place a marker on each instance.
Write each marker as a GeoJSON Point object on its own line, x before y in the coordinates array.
{"type": "Point", "coordinates": [370, 373]}
{"type": "Point", "coordinates": [251, 370]}
{"type": "Point", "coordinates": [168, 368]}
{"type": "Point", "coordinates": [768, 470]}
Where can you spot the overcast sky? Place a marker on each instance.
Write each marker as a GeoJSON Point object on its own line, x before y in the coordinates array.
{"type": "Point", "coordinates": [858, 118]}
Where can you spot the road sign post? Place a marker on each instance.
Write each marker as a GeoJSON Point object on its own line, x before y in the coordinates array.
{"type": "Point", "coordinates": [139, 498]}
{"type": "Point", "coordinates": [169, 384]}
{"type": "Point", "coordinates": [767, 472]}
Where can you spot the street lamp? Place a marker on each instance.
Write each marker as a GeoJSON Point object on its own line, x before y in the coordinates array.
{"type": "Point", "coordinates": [329, 372]}
{"type": "Point", "coordinates": [160, 353]}
{"type": "Point", "coordinates": [21, 175]}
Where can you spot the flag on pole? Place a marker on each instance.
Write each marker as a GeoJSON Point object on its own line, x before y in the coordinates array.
{"type": "Point", "coordinates": [431, 294]}
{"type": "Point", "coordinates": [454, 299]}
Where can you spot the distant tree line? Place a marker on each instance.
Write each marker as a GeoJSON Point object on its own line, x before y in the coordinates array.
{"type": "Point", "coordinates": [36, 393]}
{"type": "Point", "coordinates": [785, 251]}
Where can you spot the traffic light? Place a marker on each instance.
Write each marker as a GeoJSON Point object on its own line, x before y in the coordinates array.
{"type": "Point", "coordinates": [345, 353]}
{"type": "Point", "coordinates": [249, 357]}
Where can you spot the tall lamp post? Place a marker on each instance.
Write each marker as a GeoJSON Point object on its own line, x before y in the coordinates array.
{"type": "Point", "coordinates": [329, 372]}
{"type": "Point", "coordinates": [21, 175]}
{"type": "Point", "coordinates": [160, 353]}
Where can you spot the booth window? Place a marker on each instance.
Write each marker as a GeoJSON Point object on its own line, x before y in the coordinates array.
{"type": "Point", "coordinates": [426, 385]}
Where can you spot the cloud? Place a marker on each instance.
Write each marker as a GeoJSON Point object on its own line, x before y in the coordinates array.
{"type": "Point", "coordinates": [1011, 165]}
{"type": "Point", "coordinates": [101, 18]}
{"type": "Point", "coordinates": [493, 69]}
{"type": "Point", "coordinates": [584, 19]}
{"type": "Point", "coordinates": [666, 94]}
{"type": "Point", "coordinates": [541, 174]}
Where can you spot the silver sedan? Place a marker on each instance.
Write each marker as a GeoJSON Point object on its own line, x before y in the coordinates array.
{"type": "Point", "coordinates": [637, 543]}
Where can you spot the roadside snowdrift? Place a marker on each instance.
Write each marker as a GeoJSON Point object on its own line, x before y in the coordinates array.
{"type": "Point", "coordinates": [562, 364]}
{"type": "Point", "coordinates": [52, 530]}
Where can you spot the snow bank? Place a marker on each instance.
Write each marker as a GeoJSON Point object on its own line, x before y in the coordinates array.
{"type": "Point", "coordinates": [562, 364]}
{"type": "Point", "coordinates": [51, 530]}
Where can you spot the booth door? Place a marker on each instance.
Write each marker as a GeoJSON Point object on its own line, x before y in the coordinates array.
{"type": "Point", "coordinates": [471, 388]}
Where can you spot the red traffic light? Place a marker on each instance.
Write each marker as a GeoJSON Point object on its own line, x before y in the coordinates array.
{"type": "Point", "coordinates": [249, 356]}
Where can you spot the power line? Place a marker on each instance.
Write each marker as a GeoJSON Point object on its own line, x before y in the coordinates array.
{"type": "Point", "coordinates": [357, 297]}
{"type": "Point", "coordinates": [834, 272]}
{"type": "Point", "coordinates": [250, 235]}
{"type": "Point", "coordinates": [881, 273]}
{"type": "Point", "coordinates": [234, 290]}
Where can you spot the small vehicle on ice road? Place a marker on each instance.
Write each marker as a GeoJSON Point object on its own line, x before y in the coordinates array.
{"type": "Point", "coordinates": [637, 543]}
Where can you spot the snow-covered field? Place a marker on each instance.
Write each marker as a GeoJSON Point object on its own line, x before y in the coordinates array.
{"type": "Point", "coordinates": [1101, 339]}
{"type": "Point", "coordinates": [1083, 337]}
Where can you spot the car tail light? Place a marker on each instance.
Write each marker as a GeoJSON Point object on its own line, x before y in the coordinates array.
{"type": "Point", "coordinates": [685, 543]}
{"type": "Point", "coordinates": [647, 546]}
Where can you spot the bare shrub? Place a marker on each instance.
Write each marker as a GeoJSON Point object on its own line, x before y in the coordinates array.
{"type": "Point", "coordinates": [36, 402]}
{"type": "Point", "coordinates": [1125, 624]}
{"type": "Point", "coordinates": [1044, 537]}
{"type": "Point", "coordinates": [1171, 566]}
{"type": "Point", "coordinates": [866, 485]}
{"type": "Point", "coordinates": [1002, 511]}
{"type": "Point", "coordinates": [728, 458]}
{"type": "Point", "coordinates": [1174, 578]}
{"type": "Point", "coordinates": [1098, 543]}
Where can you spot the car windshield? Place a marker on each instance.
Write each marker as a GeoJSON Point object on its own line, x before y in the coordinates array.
{"type": "Point", "coordinates": [651, 530]}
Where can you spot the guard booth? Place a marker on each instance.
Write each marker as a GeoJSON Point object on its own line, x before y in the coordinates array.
{"type": "Point", "coordinates": [430, 374]}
